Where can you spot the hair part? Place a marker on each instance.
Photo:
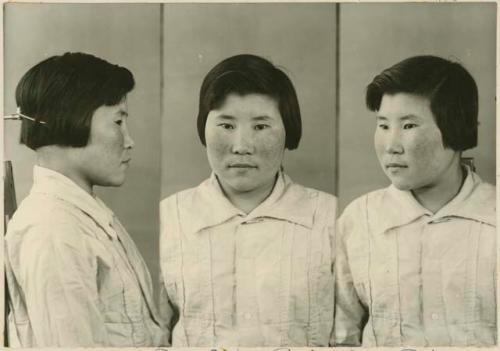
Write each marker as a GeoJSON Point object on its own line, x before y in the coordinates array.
{"type": "Point", "coordinates": [64, 91]}
{"type": "Point", "coordinates": [249, 74]}
{"type": "Point", "coordinates": [450, 88]}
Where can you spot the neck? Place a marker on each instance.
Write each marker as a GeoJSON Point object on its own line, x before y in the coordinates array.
{"type": "Point", "coordinates": [247, 201]}
{"type": "Point", "coordinates": [435, 196]}
{"type": "Point", "coordinates": [58, 159]}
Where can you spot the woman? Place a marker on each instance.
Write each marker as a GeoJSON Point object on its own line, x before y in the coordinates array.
{"type": "Point", "coordinates": [247, 256]}
{"type": "Point", "coordinates": [416, 261]}
{"type": "Point", "coordinates": [75, 277]}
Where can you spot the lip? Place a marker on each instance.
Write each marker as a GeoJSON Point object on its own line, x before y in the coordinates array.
{"type": "Point", "coordinates": [395, 165]}
{"type": "Point", "coordinates": [127, 161]}
{"type": "Point", "coordinates": [241, 165]}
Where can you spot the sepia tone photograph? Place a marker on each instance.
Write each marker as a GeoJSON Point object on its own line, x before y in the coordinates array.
{"type": "Point", "coordinates": [249, 175]}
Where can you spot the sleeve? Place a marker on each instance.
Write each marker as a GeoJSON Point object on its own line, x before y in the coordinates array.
{"type": "Point", "coordinates": [59, 279]}
{"type": "Point", "coordinates": [167, 312]}
{"type": "Point", "coordinates": [168, 215]}
{"type": "Point", "coordinates": [350, 314]}
{"type": "Point", "coordinates": [331, 227]}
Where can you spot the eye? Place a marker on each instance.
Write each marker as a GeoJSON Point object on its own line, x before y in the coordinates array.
{"type": "Point", "coordinates": [119, 122]}
{"type": "Point", "coordinates": [226, 125]}
{"type": "Point", "coordinates": [382, 126]}
{"type": "Point", "coordinates": [409, 126]}
{"type": "Point", "coordinates": [261, 126]}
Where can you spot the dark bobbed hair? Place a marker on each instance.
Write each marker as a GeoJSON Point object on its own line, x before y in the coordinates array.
{"type": "Point", "coordinates": [64, 91]}
{"type": "Point", "coordinates": [249, 74]}
{"type": "Point", "coordinates": [451, 90]}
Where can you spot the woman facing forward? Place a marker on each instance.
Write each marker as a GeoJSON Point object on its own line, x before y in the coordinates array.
{"type": "Point", "coordinates": [247, 256]}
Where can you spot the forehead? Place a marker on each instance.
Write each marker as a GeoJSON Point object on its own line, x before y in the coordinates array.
{"type": "Point", "coordinates": [121, 106]}
{"type": "Point", "coordinates": [404, 105]}
{"type": "Point", "coordinates": [249, 105]}
{"type": "Point", "coordinates": [104, 113]}
{"type": "Point", "coordinates": [119, 109]}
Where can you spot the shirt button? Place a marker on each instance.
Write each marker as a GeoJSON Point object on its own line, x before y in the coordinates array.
{"type": "Point", "coordinates": [435, 316]}
{"type": "Point", "coordinates": [247, 316]}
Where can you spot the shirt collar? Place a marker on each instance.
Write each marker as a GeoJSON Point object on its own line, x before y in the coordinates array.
{"type": "Point", "coordinates": [50, 182]}
{"type": "Point", "coordinates": [475, 201]}
{"type": "Point", "coordinates": [287, 202]}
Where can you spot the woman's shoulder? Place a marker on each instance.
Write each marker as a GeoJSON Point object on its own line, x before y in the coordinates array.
{"type": "Point", "coordinates": [309, 199]}
{"type": "Point", "coordinates": [324, 200]}
{"type": "Point", "coordinates": [307, 192]}
{"type": "Point", "coordinates": [360, 205]}
{"type": "Point", "coordinates": [189, 203]}
{"type": "Point", "coordinates": [484, 193]}
{"type": "Point", "coordinates": [41, 210]}
{"type": "Point", "coordinates": [186, 195]}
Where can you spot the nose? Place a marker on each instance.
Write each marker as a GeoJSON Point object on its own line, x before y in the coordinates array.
{"type": "Point", "coordinates": [393, 143]}
{"type": "Point", "coordinates": [128, 142]}
{"type": "Point", "coordinates": [242, 142]}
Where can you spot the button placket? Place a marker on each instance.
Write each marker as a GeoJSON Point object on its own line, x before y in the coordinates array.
{"type": "Point", "coordinates": [247, 304]}
{"type": "Point", "coordinates": [246, 301]}
{"type": "Point", "coordinates": [434, 311]}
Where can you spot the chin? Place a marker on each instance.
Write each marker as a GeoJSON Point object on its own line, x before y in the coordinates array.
{"type": "Point", "coordinates": [242, 187]}
{"type": "Point", "coordinates": [402, 187]}
{"type": "Point", "coordinates": [401, 184]}
{"type": "Point", "coordinates": [115, 182]}
{"type": "Point", "coordinates": [119, 182]}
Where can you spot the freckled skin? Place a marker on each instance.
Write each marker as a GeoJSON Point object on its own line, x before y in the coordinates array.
{"type": "Point", "coordinates": [245, 139]}
{"type": "Point", "coordinates": [415, 142]}
{"type": "Point", "coordinates": [103, 160]}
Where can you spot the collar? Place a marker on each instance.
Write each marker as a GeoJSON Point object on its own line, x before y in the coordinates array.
{"type": "Point", "coordinates": [475, 201]}
{"type": "Point", "coordinates": [52, 183]}
{"type": "Point", "coordinates": [287, 202]}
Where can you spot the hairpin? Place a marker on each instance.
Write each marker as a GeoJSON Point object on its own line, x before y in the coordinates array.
{"type": "Point", "coordinates": [18, 116]}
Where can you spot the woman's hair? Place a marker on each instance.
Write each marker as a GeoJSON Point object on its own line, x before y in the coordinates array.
{"type": "Point", "coordinates": [64, 91]}
{"type": "Point", "coordinates": [250, 74]}
{"type": "Point", "coordinates": [451, 90]}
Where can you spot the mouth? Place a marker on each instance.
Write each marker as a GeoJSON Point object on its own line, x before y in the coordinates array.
{"type": "Point", "coordinates": [395, 165]}
{"type": "Point", "coordinates": [127, 161]}
{"type": "Point", "coordinates": [241, 165]}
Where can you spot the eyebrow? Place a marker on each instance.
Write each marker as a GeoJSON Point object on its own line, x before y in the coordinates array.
{"type": "Point", "coordinates": [122, 113]}
{"type": "Point", "coordinates": [403, 118]}
{"type": "Point", "coordinates": [256, 118]}
{"type": "Point", "coordinates": [227, 117]}
{"type": "Point", "coordinates": [261, 118]}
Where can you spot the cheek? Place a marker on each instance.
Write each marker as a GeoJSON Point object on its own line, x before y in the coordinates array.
{"type": "Point", "coordinates": [377, 140]}
{"type": "Point", "coordinates": [107, 145]}
{"type": "Point", "coordinates": [114, 142]}
{"type": "Point", "coordinates": [426, 147]}
{"type": "Point", "coordinates": [272, 146]}
{"type": "Point", "coordinates": [217, 144]}
{"type": "Point", "coordinates": [378, 143]}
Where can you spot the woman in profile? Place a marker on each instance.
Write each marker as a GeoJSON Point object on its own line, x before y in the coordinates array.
{"type": "Point", "coordinates": [75, 276]}
{"type": "Point", "coordinates": [247, 255]}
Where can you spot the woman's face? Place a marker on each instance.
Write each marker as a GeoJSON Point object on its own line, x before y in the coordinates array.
{"type": "Point", "coordinates": [245, 139]}
{"type": "Point", "coordinates": [105, 158]}
{"type": "Point", "coordinates": [409, 144]}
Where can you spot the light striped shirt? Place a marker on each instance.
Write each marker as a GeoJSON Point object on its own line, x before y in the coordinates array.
{"type": "Point", "coordinates": [258, 279]}
{"type": "Point", "coordinates": [406, 276]}
{"type": "Point", "coordinates": [75, 276]}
